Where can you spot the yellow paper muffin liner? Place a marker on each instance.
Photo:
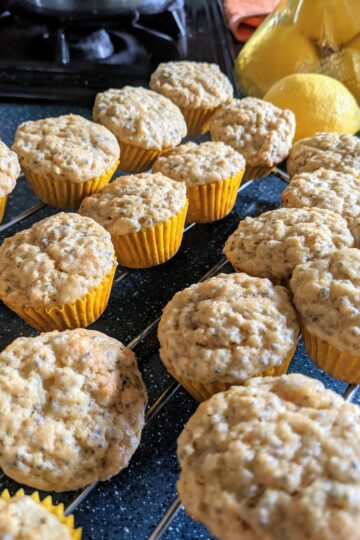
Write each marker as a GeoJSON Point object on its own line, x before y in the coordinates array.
{"type": "Point", "coordinates": [62, 193]}
{"type": "Point", "coordinates": [341, 365]}
{"type": "Point", "coordinates": [256, 173]}
{"type": "Point", "coordinates": [3, 201]}
{"type": "Point", "coordinates": [197, 120]}
{"type": "Point", "coordinates": [78, 314]}
{"type": "Point", "coordinates": [56, 510]}
{"type": "Point", "coordinates": [135, 159]}
{"type": "Point", "coordinates": [210, 202]}
{"type": "Point", "coordinates": [201, 392]}
{"type": "Point", "coordinates": [152, 246]}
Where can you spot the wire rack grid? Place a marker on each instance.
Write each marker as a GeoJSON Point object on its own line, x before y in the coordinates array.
{"type": "Point", "coordinates": [172, 388]}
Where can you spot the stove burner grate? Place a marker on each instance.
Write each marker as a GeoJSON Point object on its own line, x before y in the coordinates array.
{"type": "Point", "coordinates": [71, 60]}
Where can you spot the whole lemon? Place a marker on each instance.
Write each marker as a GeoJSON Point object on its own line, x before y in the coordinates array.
{"type": "Point", "coordinates": [319, 103]}
{"type": "Point", "coordinates": [331, 22]}
{"type": "Point", "coordinates": [271, 54]}
{"type": "Point", "coordinates": [345, 67]}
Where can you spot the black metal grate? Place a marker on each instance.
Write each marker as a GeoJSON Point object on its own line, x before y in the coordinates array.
{"type": "Point", "coordinates": [46, 69]}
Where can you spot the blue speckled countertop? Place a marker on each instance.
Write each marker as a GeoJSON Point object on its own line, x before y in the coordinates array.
{"type": "Point", "coordinates": [133, 502]}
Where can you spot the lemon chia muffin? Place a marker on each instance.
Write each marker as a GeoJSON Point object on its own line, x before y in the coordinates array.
{"type": "Point", "coordinates": [212, 172]}
{"type": "Point", "coordinates": [332, 190]}
{"type": "Point", "coordinates": [66, 158]}
{"type": "Point", "coordinates": [145, 215]}
{"type": "Point", "coordinates": [58, 274]}
{"type": "Point", "coordinates": [72, 409]}
{"type": "Point", "coordinates": [262, 132]}
{"type": "Point", "coordinates": [278, 458]}
{"type": "Point", "coordinates": [333, 151]}
{"type": "Point", "coordinates": [145, 124]}
{"type": "Point", "coordinates": [354, 226]}
{"type": "Point", "coordinates": [9, 172]}
{"type": "Point", "coordinates": [225, 330]}
{"type": "Point", "coordinates": [24, 517]}
{"type": "Point", "coordinates": [327, 297]}
{"type": "Point", "coordinates": [274, 243]}
{"type": "Point", "coordinates": [198, 88]}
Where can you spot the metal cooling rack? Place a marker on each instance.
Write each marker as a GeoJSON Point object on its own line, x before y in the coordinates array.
{"type": "Point", "coordinates": [173, 387]}
{"type": "Point", "coordinates": [224, 56]}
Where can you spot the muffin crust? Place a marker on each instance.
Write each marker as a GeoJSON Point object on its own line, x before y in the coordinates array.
{"type": "Point", "coordinates": [192, 84]}
{"type": "Point", "coordinates": [274, 243]}
{"type": "Point", "coordinates": [276, 458]}
{"type": "Point", "coordinates": [327, 296]}
{"type": "Point", "coordinates": [72, 409]}
{"type": "Point", "coordinates": [198, 164]}
{"type": "Point", "coordinates": [227, 329]}
{"type": "Point", "coordinates": [355, 230]}
{"type": "Point", "coordinates": [24, 519]}
{"type": "Point", "coordinates": [68, 147]}
{"type": "Point", "coordinates": [57, 261]}
{"type": "Point", "coordinates": [334, 151]}
{"type": "Point", "coordinates": [332, 190]}
{"type": "Point", "coordinates": [261, 132]}
{"type": "Point", "coordinates": [9, 170]}
{"type": "Point", "coordinates": [135, 202]}
{"type": "Point", "coordinates": [140, 117]}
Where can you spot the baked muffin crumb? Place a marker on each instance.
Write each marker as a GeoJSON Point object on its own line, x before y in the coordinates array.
{"type": "Point", "coordinates": [274, 243]}
{"type": "Point", "coordinates": [331, 190]}
{"type": "Point", "coordinates": [278, 457]}
{"type": "Point", "coordinates": [55, 262]}
{"type": "Point", "coordinates": [192, 84]}
{"type": "Point", "coordinates": [327, 296]}
{"type": "Point", "coordinates": [67, 147]}
{"type": "Point", "coordinates": [333, 151]}
{"type": "Point", "coordinates": [135, 202]}
{"type": "Point", "coordinates": [261, 132]}
{"type": "Point", "coordinates": [140, 117]}
{"type": "Point", "coordinates": [227, 329]}
{"type": "Point", "coordinates": [72, 409]}
{"type": "Point", "coordinates": [22, 518]}
{"type": "Point", "coordinates": [198, 164]}
{"type": "Point", "coordinates": [9, 170]}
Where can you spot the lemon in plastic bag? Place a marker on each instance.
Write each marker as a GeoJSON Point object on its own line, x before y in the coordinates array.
{"type": "Point", "coordinates": [293, 39]}
{"type": "Point", "coordinates": [329, 22]}
{"type": "Point", "coordinates": [353, 43]}
{"type": "Point", "coordinates": [345, 67]}
{"type": "Point", "coordinates": [272, 53]}
{"type": "Point", "coordinates": [319, 103]}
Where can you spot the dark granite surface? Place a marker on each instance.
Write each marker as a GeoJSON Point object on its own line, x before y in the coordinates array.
{"type": "Point", "coordinates": [132, 503]}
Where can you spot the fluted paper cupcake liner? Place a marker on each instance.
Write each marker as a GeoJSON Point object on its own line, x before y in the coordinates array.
{"type": "Point", "coordinates": [255, 173]}
{"type": "Point", "coordinates": [152, 246]}
{"type": "Point", "coordinates": [62, 193]}
{"type": "Point", "coordinates": [3, 202]}
{"type": "Point", "coordinates": [210, 202]}
{"type": "Point", "coordinates": [201, 392]}
{"type": "Point", "coordinates": [197, 120]}
{"type": "Point", "coordinates": [135, 159]}
{"type": "Point", "coordinates": [341, 365]}
{"type": "Point", "coordinates": [78, 314]}
{"type": "Point", "coordinates": [57, 510]}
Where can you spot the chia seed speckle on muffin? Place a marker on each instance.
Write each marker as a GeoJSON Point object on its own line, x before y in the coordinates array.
{"type": "Point", "coordinates": [261, 132]}
{"type": "Point", "coordinates": [67, 147]}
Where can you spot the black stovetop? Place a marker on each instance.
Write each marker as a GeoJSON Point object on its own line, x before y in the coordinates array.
{"type": "Point", "coordinates": [52, 58]}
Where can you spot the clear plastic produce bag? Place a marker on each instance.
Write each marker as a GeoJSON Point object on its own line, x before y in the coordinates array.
{"type": "Point", "coordinates": [303, 36]}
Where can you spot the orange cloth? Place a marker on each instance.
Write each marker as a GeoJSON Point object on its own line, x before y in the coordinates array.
{"type": "Point", "coordinates": [244, 16]}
